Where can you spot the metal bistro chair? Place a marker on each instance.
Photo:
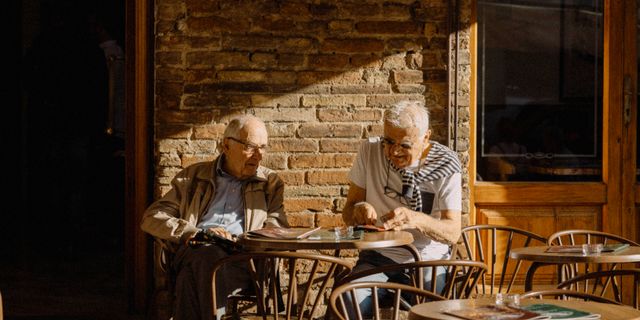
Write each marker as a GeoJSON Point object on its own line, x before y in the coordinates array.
{"type": "Point", "coordinates": [608, 284]}
{"type": "Point", "coordinates": [348, 292]}
{"type": "Point", "coordinates": [306, 279]}
{"type": "Point", "coordinates": [461, 276]}
{"type": "Point", "coordinates": [578, 237]}
{"type": "Point", "coordinates": [493, 244]}
{"type": "Point", "coordinates": [161, 306]}
{"type": "Point", "coordinates": [561, 294]}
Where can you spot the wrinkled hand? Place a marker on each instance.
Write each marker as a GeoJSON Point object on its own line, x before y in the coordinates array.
{"type": "Point", "coordinates": [364, 213]}
{"type": "Point", "coordinates": [399, 218]}
{"type": "Point", "coordinates": [221, 232]}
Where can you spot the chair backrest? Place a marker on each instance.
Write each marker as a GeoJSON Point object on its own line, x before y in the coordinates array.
{"type": "Point", "coordinates": [164, 276]}
{"type": "Point", "coordinates": [492, 245]}
{"type": "Point", "coordinates": [343, 297]}
{"type": "Point", "coordinates": [580, 236]}
{"type": "Point", "coordinates": [609, 284]}
{"type": "Point", "coordinates": [562, 294]}
{"type": "Point", "coordinates": [461, 276]}
{"type": "Point", "coordinates": [297, 282]}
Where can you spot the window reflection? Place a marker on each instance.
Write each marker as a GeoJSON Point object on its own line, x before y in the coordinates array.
{"type": "Point", "coordinates": [539, 90]}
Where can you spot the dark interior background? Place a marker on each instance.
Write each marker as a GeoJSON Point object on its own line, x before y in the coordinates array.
{"type": "Point", "coordinates": [62, 223]}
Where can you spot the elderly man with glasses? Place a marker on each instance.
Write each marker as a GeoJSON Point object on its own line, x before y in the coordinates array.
{"type": "Point", "coordinates": [220, 198]}
{"type": "Point", "coordinates": [404, 181]}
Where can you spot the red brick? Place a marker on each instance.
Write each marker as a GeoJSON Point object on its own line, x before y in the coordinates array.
{"type": "Point", "coordinates": [169, 74]}
{"type": "Point", "coordinates": [332, 115]}
{"type": "Point", "coordinates": [410, 88]}
{"type": "Point", "coordinates": [329, 220]}
{"type": "Point", "coordinates": [199, 6]}
{"type": "Point", "coordinates": [298, 161]}
{"type": "Point", "coordinates": [368, 115]}
{"type": "Point", "coordinates": [290, 8]}
{"type": "Point", "coordinates": [396, 10]}
{"type": "Point", "coordinates": [209, 25]}
{"type": "Point", "coordinates": [185, 116]}
{"type": "Point", "coordinates": [315, 191]}
{"type": "Point", "coordinates": [208, 59]}
{"type": "Point", "coordinates": [188, 160]}
{"type": "Point", "coordinates": [301, 219]}
{"type": "Point", "coordinates": [361, 89]}
{"type": "Point", "coordinates": [328, 177]}
{"type": "Point", "coordinates": [328, 61]}
{"type": "Point", "coordinates": [339, 145]}
{"type": "Point", "coordinates": [389, 27]}
{"type": "Point", "coordinates": [311, 204]}
{"type": "Point", "coordinates": [173, 131]}
{"type": "Point", "coordinates": [293, 145]}
{"type": "Point", "coordinates": [345, 160]}
{"type": "Point", "coordinates": [407, 44]}
{"type": "Point", "coordinates": [407, 76]}
{"type": "Point", "coordinates": [274, 24]}
{"type": "Point", "coordinates": [275, 161]}
{"type": "Point", "coordinates": [290, 60]}
{"type": "Point", "coordinates": [356, 45]}
{"type": "Point", "coordinates": [169, 11]}
{"type": "Point", "coordinates": [360, 9]}
{"type": "Point", "coordinates": [204, 42]}
{"type": "Point", "coordinates": [168, 58]}
{"type": "Point", "coordinates": [214, 131]}
{"type": "Point", "coordinates": [292, 178]}
{"type": "Point", "coordinates": [373, 60]}
{"type": "Point", "coordinates": [321, 160]}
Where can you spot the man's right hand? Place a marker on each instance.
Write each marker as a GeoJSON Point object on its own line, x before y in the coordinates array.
{"type": "Point", "coordinates": [364, 213]}
{"type": "Point", "coordinates": [221, 232]}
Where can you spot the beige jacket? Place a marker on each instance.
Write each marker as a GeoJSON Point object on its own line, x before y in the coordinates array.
{"type": "Point", "coordinates": [174, 216]}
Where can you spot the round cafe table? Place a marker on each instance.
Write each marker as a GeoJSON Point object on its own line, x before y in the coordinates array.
{"type": "Point", "coordinates": [539, 257]}
{"type": "Point", "coordinates": [369, 240]}
{"type": "Point", "coordinates": [434, 310]}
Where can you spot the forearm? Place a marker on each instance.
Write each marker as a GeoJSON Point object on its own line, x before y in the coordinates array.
{"type": "Point", "coordinates": [162, 220]}
{"type": "Point", "coordinates": [347, 214]}
{"type": "Point", "coordinates": [446, 230]}
{"type": "Point", "coordinates": [355, 195]}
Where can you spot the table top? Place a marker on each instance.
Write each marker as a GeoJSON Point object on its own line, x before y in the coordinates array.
{"type": "Point", "coordinates": [370, 240]}
{"type": "Point", "coordinates": [433, 310]}
{"type": "Point", "coordinates": [538, 254]}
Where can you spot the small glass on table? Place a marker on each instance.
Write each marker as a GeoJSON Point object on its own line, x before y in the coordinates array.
{"type": "Point", "coordinates": [343, 232]}
{"type": "Point", "coordinates": [508, 299]}
{"type": "Point", "coordinates": [591, 249]}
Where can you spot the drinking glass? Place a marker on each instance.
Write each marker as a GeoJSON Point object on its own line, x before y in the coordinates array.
{"type": "Point", "coordinates": [343, 232]}
{"type": "Point", "coordinates": [591, 248]}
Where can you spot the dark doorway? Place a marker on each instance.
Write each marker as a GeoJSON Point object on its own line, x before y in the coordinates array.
{"type": "Point", "coordinates": [63, 236]}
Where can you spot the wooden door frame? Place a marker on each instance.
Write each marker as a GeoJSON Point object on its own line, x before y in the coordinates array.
{"type": "Point", "coordinates": [630, 187]}
{"type": "Point", "coordinates": [138, 149]}
{"type": "Point", "coordinates": [614, 194]}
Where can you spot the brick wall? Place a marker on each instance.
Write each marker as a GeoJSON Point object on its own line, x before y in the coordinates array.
{"type": "Point", "coordinates": [319, 73]}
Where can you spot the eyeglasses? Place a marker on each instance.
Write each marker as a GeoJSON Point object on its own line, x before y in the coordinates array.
{"type": "Point", "coordinates": [386, 142]}
{"type": "Point", "coordinates": [393, 194]}
{"type": "Point", "coordinates": [249, 147]}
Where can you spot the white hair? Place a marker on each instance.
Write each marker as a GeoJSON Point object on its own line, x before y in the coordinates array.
{"type": "Point", "coordinates": [408, 114]}
{"type": "Point", "coordinates": [237, 124]}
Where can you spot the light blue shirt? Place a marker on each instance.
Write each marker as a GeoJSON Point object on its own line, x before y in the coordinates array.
{"type": "Point", "coordinates": [227, 208]}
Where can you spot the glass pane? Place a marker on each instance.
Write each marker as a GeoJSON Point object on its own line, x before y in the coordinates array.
{"type": "Point", "coordinates": [539, 90]}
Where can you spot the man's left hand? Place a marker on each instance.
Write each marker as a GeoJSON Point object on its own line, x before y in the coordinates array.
{"type": "Point", "coordinates": [399, 218]}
